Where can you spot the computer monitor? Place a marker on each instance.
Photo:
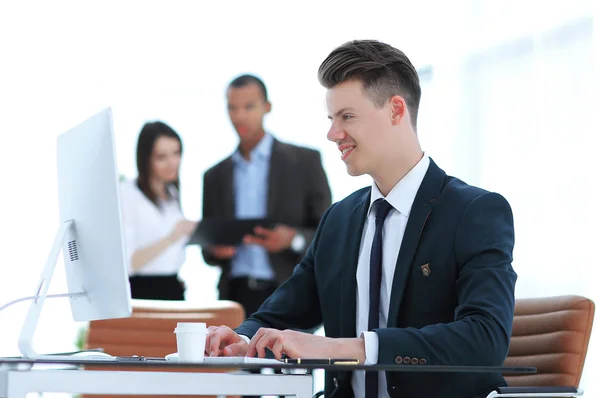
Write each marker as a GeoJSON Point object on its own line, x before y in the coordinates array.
{"type": "Point", "coordinates": [90, 231]}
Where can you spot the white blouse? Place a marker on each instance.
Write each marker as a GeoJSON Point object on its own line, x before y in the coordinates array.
{"type": "Point", "coordinates": [145, 224]}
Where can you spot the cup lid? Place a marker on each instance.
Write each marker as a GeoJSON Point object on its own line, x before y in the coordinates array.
{"type": "Point", "coordinates": [190, 327]}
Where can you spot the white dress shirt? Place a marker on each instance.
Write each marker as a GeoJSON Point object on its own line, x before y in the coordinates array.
{"type": "Point", "coordinates": [401, 197]}
{"type": "Point", "coordinates": [145, 224]}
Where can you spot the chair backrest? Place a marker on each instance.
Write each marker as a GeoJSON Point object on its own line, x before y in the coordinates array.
{"type": "Point", "coordinates": [150, 331]}
{"type": "Point", "coordinates": [552, 334]}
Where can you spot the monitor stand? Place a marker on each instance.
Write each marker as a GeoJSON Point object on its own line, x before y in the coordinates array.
{"type": "Point", "coordinates": [65, 231]}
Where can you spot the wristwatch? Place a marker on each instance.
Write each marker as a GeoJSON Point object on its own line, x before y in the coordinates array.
{"type": "Point", "coordinates": [298, 243]}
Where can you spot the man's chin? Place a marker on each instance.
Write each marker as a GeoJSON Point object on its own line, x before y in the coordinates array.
{"type": "Point", "coordinates": [354, 171]}
{"type": "Point", "coordinates": [247, 136]}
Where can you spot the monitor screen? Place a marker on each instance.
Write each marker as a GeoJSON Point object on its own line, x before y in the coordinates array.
{"type": "Point", "coordinates": [89, 231]}
{"type": "Point", "coordinates": [88, 194]}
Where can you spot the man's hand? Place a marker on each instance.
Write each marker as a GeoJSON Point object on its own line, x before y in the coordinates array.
{"type": "Point", "coordinates": [274, 240]}
{"type": "Point", "coordinates": [221, 341]}
{"type": "Point", "coordinates": [222, 252]}
{"type": "Point", "coordinates": [304, 345]}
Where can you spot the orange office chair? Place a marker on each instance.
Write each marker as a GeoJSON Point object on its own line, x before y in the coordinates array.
{"type": "Point", "coordinates": [552, 334]}
{"type": "Point", "coordinates": [149, 331]}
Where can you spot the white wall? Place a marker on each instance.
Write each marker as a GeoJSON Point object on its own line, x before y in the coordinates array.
{"type": "Point", "coordinates": [149, 60]}
{"type": "Point", "coordinates": [508, 107]}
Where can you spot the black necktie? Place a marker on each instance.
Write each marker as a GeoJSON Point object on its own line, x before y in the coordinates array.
{"type": "Point", "coordinates": [381, 208]}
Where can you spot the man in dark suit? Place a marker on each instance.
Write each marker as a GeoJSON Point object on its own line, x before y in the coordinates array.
{"type": "Point", "coordinates": [415, 269]}
{"type": "Point", "coordinates": [263, 178]}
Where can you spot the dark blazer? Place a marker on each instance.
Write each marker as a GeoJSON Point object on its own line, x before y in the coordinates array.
{"type": "Point", "coordinates": [298, 195]}
{"type": "Point", "coordinates": [458, 313]}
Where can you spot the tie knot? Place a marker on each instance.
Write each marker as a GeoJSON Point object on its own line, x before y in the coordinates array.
{"type": "Point", "coordinates": [382, 207]}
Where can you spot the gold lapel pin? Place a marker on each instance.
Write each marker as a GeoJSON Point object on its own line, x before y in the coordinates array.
{"type": "Point", "coordinates": [425, 269]}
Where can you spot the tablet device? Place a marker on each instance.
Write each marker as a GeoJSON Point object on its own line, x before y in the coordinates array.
{"type": "Point", "coordinates": [226, 232]}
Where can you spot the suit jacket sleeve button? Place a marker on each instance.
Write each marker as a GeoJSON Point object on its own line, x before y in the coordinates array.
{"type": "Point", "coordinates": [406, 360]}
{"type": "Point", "coordinates": [414, 361]}
{"type": "Point", "coordinates": [398, 360]}
{"type": "Point", "coordinates": [422, 361]}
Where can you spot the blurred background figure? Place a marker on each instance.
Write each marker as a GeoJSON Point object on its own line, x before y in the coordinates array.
{"type": "Point", "coordinates": [263, 178]}
{"type": "Point", "coordinates": [155, 230]}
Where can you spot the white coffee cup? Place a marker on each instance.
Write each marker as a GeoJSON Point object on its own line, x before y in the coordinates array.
{"type": "Point", "coordinates": [191, 339]}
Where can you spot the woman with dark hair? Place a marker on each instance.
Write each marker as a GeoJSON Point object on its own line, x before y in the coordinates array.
{"type": "Point", "coordinates": [155, 230]}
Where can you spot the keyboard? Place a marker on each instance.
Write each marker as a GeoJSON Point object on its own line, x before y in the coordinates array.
{"type": "Point", "coordinates": [229, 360]}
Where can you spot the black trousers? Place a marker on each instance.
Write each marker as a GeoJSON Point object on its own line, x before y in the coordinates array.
{"type": "Point", "coordinates": [156, 287]}
{"type": "Point", "coordinates": [250, 292]}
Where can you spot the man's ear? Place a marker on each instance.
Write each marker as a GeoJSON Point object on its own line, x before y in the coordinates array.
{"type": "Point", "coordinates": [399, 110]}
{"type": "Point", "coordinates": [267, 107]}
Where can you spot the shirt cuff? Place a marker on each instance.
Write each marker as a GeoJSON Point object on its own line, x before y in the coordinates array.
{"type": "Point", "coordinates": [371, 348]}
{"type": "Point", "coordinates": [246, 338]}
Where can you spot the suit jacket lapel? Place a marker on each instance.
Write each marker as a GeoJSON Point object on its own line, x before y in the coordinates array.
{"type": "Point", "coordinates": [349, 264]}
{"type": "Point", "coordinates": [227, 191]}
{"type": "Point", "coordinates": [275, 176]}
{"type": "Point", "coordinates": [419, 213]}
{"type": "Point", "coordinates": [416, 222]}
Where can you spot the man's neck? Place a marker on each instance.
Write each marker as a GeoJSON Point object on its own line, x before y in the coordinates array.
{"type": "Point", "coordinates": [246, 146]}
{"type": "Point", "coordinates": [393, 173]}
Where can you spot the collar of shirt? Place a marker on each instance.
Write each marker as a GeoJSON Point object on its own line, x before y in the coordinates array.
{"type": "Point", "coordinates": [261, 151]}
{"type": "Point", "coordinates": [402, 196]}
